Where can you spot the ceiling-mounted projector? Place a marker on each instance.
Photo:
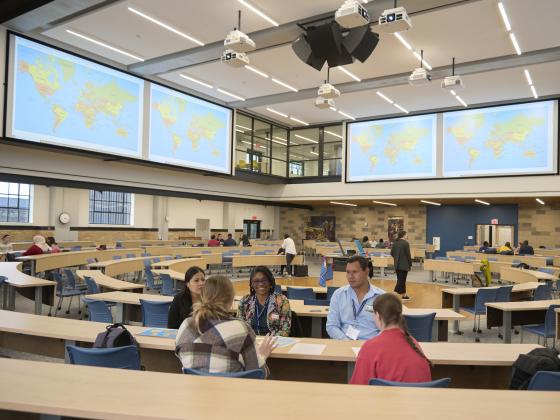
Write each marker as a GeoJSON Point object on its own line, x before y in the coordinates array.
{"type": "Point", "coordinates": [351, 15]}
{"type": "Point", "coordinates": [394, 20]}
{"type": "Point", "coordinates": [234, 59]}
{"type": "Point", "coordinates": [328, 91]}
{"type": "Point", "coordinates": [452, 82]}
{"type": "Point", "coordinates": [239, 42]}
{"type": "Point", "coordinates": [419, 76]}
{"type": "Point", "coordinates": [323, 103]}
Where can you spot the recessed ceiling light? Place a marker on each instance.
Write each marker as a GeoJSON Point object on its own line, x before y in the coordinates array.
{"type": "Point", "coordinates": [504, 16]}
{"type": "Point", "coordinates": [281, 83]}
{"type": "Point", "coordinates": [257, 11]}
{"type": "Point", "coordinates": [461, 100]}
{"type": "Point", "coordinates": [343, 204]}
{"type": "Point", "coordinates": [482, 202]}
{"type": "Point", "coordinates": [163, 25]}
{"type": "Point", "coordinates": [384, 203]}
{"type": "Point", "coordinates": [277, 112]}
{"type": "Point", "coordinates": [384, 97]}
{"type": "Point", "coordinates": [534, 91]}
{"type": "Point", "coordinates": [254, 70]}
{"type": "Point", "coordinates": [401, 108]}
{"type": "Point", "coordinates": [192, 79]}
{"type": "Point", "coordinates": [233, 95]}
{"type": "Point", "coordinates": [514, 42]}
{"type": "Point", "coordinates": [103, 44]}
{"type": "Point", "coordinates": [539, 201]}
{"type": "Point", "coordinates": [298, 121]}
{"type": "Point", "coordinates": [333, 134]}
{"type": "Point", "coordinates": [528, 77]}
{"type": "Point", "coordinates": [430, 202]}
{"type": "Point", "coordinates": [305, 138]}
{"type": "Point", "coordinates": [352, 75]}
{"type": "Point", "coordinates": [346, 115]}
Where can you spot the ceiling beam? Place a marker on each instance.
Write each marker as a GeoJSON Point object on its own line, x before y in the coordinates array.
{"type": "Point", "coordinates": [472, 67]}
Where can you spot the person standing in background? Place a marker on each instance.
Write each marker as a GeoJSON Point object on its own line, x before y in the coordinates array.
{"type": "Point", "coordinates": [5, 246]}
{"type": "Point", "coordinates": [288, 248]}
{"type": "Point", "coordinates": [400, 251]}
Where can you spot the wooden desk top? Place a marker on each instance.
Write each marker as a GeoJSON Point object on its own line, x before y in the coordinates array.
{"type": "Point", "coordinates": [175, 275]}
{"type": "Point", "coordinates": [107, 263]}
{"type": "Point", "coordinates": [168, 264]}
{"type": "Point", "coordinates": [128, 297]}
{"type": "Point", "coordinates": [194, 397]}
{"type": "Point", "coordinates": [106, 281]}
{"type": "Point", "coordinates": [522, 287]}
{"type": "Point", "coordinates": [12, 270]}
{"type": "Point", "coordinates": [531, 305]}
{"type": "Point", "coordinates": [535, 273]}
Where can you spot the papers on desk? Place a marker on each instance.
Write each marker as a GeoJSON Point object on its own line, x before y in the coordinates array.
{"type": "Point", "coordinates": [282, 341]}
{"type": "Point", "coordinates": [308, 349]}
{"type": "Point", "coordinates": [159, 332]}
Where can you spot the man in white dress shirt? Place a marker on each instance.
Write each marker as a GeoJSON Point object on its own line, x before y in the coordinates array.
{"type": "Point", "coordinates": [289, 248]}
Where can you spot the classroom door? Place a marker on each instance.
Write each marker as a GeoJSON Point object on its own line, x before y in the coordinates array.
{"type": "Point", "coordinates": [252, 228]}
{"type": "Point", "coordinates": [496, 235]}
{"type": "Point", "coordinates": [203, 229]}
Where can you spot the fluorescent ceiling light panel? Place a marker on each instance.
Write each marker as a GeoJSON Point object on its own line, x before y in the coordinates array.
{"type": "Point", "coordinates": [424, 62]}
{"type": "Point", "coordinates": [192, 79]}
{"type": "Point", "coordinates": [279, 142]}
{"type": "Point", "coordinates": [385, 203]}
{"type": "Point", "coordinates": [281, 83]}
{"type": "Point", "coordinates": [384, 97]}
{"type": "Point", "coordinates": [534, 91]}
{"type": "Point", "coordinates": [332, 108]}
{"type": "Point", "coordinates": [528, 77]}
{"type": "Point", "coordinates": [346, 115]}
{"type": "Point", "coordinates": [314, 153]}
{"type": "Point", "coordinates": [453, 92]}
{"type": "Point", "coordinates": [306, 138]}
{"type": "Point", "coordinates": [258, 12]}
{"type": "Point", "coordinates": [403, 41]}
{"type": "Point", "coordinates": [163, 25]}
{"type": "Point", "coordinates": [103, 44]}
{"type": "Point", "coordinates": [430, 202]}
{"type": "Point", "coordinates": [243, 127]}
{"type": "Point", "coordinates": [254, 70]}
{"type": "Point", "coordinates": [461, 100]}
{"type": "Point", "coordinates": [352, 75]}
{"type": "Point", "coordinates": [514, 42]}
{"type": "Point", "coordinates": [298, 121]}
{"type": "Point", "coordinates": [343, 204]}
{"type": "Point", "coordinates": [277, 112]}
{"type": "Point", "coordinates": [401, 108]}
{"type": "Point", "coordinates": [333, 134]}
{"type": "Point", "coordinates": [482, 202]}
{"type": "Point", "coordinates": [246, 142]}
{"type": "Point", "coordinates": [539, 201]}
{"type": "Point", "coordinates": [233, 95]}
{"type": "Point", "coordinates": [280, 138]}
{"type": "Point", "coordinates": [504, 16]}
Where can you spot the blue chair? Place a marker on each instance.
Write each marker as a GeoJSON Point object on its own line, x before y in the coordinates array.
{"type": "Point", "coordinates": [167, 285]}
{"type": "Point", "coordinates": [130, 255]}
{"type": "Point", "coordinates": [546, 330]}
{"type": "Point", "coordinates": [438, 383]}
{"type": "Point", "coordinates": [146, 254]}
{"type": "Point", "coordinates": [63, 291]}
{"type": "Point", "coordinates": [117, 257]}
{"type": "Point", "coordinates": [168, 258]}
{"type": "Point", "coordinates": [98, 311]}
{"type": "Point", "coordinates": [151, 282]}
{"type": "Point", "coordinates": [92, 286]}
{"type": "Point", "coordinates": [178, 257]}
{"type": "Point", "coordinates": [245, 252]}
{"type": "Point", "coordinates": [76, 248]}
{"type": "Point", "coordinates": [330, 291]}
{"type": "Point", "coordinates": [441, 258]}
{"type": "Point", "coordinates": [125, 357]}
{"type": "Point", "coordinates": [154, 314]}
{"type": "Point", "coordinates": [483, 296]}
{"type": "Point", "coordinates": [420, 326]}
{"type": "Point", "coordinates": [260, 253]}
{"type": "Point", "coordinates": [91, 260]}
{"type": "Point", "coordinates": [71, 280]}
{"type": "Point", "coordinates": [147, 264]}
{"type": "Point", "coordinates": [277, 289]}
{"type": "Point", "coordinates": [545, 381]}
{"type": "Point", "coordinates": [118, 244]}
{"type": "Point", "coordinates": [247, 374]}
{"type": "Point", "coordinates": [546, 270]}
{"type": "Point", "coordinates": [156, 260]}
{"type": "Point", "coordinates": [543, 291]}
{"type": "Point", "coordinates": [300, 293]}
{"type": "Point", "coordinates": [316, 302]}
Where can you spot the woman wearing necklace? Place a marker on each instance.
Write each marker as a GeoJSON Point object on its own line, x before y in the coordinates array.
{"type": "Point", "coordinates": [266, 311]}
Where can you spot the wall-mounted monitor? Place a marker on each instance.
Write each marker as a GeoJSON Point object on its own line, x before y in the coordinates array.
{"type": "Point", "coordinates": [58, 98]}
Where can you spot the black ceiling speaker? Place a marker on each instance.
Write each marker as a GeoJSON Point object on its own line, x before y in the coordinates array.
{"type": "Point", "coordinates": [360, 42]}
{"type": "Point", "coordinates": [303, 50]}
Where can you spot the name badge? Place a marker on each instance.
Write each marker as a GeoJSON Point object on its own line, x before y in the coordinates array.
{"type": "Point", "coordinates": [369, 308]}
{"type": "Point", "coordinates": [274, 316]}
{"type": "Point", "coordinates": [352, 333]}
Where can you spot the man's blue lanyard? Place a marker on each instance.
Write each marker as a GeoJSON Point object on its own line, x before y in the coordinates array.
{"type": "Point", "coordinates": [360, 309]}
{"type": "Point", "coordinates": [259, 314]}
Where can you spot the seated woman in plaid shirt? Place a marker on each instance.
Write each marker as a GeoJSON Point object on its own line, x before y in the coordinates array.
{"type": "Point", "coordinates": [213, 340]}
{"type": "Point", "coordinates": [265, 310]}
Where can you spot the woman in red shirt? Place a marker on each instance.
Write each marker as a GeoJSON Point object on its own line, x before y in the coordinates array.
{"type": "Point", "coordinates": [393, 355]}
{"type": "Point", "coordinates": [39, 246]}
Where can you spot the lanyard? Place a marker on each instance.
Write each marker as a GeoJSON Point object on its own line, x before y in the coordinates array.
{"type": "Point", "coordinates": [360, 309]}
{"type": "Point", "coordinates": [259, 314]}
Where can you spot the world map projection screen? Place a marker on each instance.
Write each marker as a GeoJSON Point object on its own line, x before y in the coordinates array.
{"type": "Point", "coordinates": [504, 140]}
{"type": "Point", "coordinates": [59, 98]}
{"type": "Point", "coordinates": [188, 131]}
{"type": "Point", "coordinates": [398, 148]}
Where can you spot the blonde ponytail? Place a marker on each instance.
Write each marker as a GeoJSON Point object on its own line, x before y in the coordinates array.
{"type": "Point", "coordinates": [215, 301]}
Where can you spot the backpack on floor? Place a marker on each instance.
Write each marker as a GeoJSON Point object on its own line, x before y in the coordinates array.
{"type": "Point", "coordinates": [115, 335]}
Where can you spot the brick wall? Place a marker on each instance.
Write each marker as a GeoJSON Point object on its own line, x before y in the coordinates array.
{"type": "Point", "coordinates": [540, 225]}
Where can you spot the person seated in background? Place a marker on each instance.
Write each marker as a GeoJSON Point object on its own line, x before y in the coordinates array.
{"type": "Point", "coordinates": [526, 249]}
{"type": "Point", "coordinates": [230, 241]}
{"type": "Point", "coordinates": [51, 242]}
{"type": "Point", "coordinates": [182, 305]}
{"type": "Point", "coordinates": [220, 239]}
{"type": "Point", "coordinates": [394, 355]}
{"type": "Point", "coordinates": [484, 247]}
{"type": "Point", "coordinates": [381, 244]}
{"type": "Point", "coordinates": [365, 242]}
{"type": "Point", "coordinates": [213, 241]}
{"type": "Point", "coordinates": [212, 340]}
{"type": "Point", "coordinates": [245, 240]}
{"type": "Point", "coordinates": [505, 249]}
{"type": "Point", "coordinates": [39, 246]}
{"type": "Point", "coordinates": [264, 309]}
{"type": "Point", "coordinates": [5, 246]}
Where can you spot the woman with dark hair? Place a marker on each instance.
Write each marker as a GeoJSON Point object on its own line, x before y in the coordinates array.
{"type": "Point", "coordinates": [393, 355]}
{"type": "Point", "coordinates": [182, 306]}
{"type": "Point", "coordinates": [245, 240]}
{"type": "Point", "coordinates": [400, 251]}
{"type": "Point", "coordinates": [265, 310]}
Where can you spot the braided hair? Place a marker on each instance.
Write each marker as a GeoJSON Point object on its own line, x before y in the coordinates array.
{"type": "Point", "coordinates": [267, 273]}
{"type": "Point", "coordinates": [389, 308]}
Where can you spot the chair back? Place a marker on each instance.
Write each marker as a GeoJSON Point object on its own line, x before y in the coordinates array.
{"type": "Point", "coordinates": [70, 277]}
{"type": "Point", "coordinates": [260, 253]}
{"type": "Point", "coordinates": [167, 288]}
{"type": "Point", "coordinates": [91, 260]}
{"type": "Point", "coordinates": [154, 314]}
{"type": "Point", "coordinates": [420, 326]}
{"type": "Point", "coordinates": [543, 291]}
{"type": "Point", "coordinates": [330, 291]}
{"type": "Point", "coordinates": [483, 296]}
{"type": "Point", "coordinates": [156, 260]}
{"type": "Point", "coordinates": [76, 248]}
{"type": "Point", "coordinates": [178, 257]}
{"type": "Point", "coordinates": [316, 302]}
{"type": "Point", "coordinates": [150, 282]}
{"type": "Point", "coordinates": [98, 311]}
{"type": "Point", "coordinates": [168, 258]}
{"type": "Point", "coordinates": [117, 257]}
{"type": "Point", "coordinates": [125, 357]}
{"type": "Point", "coordinates": [441, 258]}
{"type": "Point", "coordinates": [503, 294]}
{"type": "Point", "coordinates": [550, 321]}
{"type": "Point", "coordinates": [546, 270]}
{"type": "Point", "coordinates": [130, 255]}
{"type": "Point", "coordinates": [59, 282]}
{"type": "Point", "coordinates": [545, 381]}
{"type": "Point", "coordinates": [247, 374]}
{"type": "Point", "coordinates": [438, 383]}
{"type": "Point", "coordinates": [300, 293]}
{"type": "Point", "coordinates": [92, 286]}
{"type": "Point", "coordinates": [147, 264]}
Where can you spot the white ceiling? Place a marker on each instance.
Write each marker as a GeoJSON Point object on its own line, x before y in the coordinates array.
{"type": "Point", "coordinates": [470, 32]}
